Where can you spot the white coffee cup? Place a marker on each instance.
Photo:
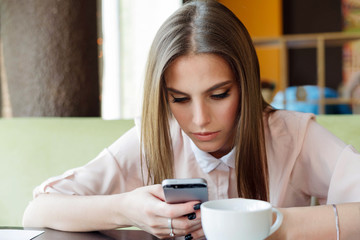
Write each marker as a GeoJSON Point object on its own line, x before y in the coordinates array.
{"type": "Point", "coordinates": [239, 218]}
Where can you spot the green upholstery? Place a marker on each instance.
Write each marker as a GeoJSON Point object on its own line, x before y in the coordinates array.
{"type": "Point", "coordinates": [33, 149]}
{"type": "Point", "coordinates": [345, 127]}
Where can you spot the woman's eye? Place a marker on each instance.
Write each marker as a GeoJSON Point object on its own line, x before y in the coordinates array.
{"type": "Point", "coordinates": [180, 100]}
{"type": "Point", "coordinates": [221, 95]}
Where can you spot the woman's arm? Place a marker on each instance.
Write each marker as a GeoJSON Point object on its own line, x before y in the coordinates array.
{"type": "Point", "coordinates": [328, 169]}
{"type": "Point", "coordinates": [74, 213]}
{"type": "Point", "coordinates": [319, 222]}
{"type": "Point", "coordinates": [143, 207]}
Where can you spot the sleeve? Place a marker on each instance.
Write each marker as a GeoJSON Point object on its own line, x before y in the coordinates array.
{"type": "Point", "coordinates": [116, 169]}
{"type": "Point", "coordinates": [345, 180]}
{"type": "Point", "coordinates": [326, 167]}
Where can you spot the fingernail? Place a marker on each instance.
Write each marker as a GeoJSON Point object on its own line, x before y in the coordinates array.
{"type": "Point", "coordinates": [191, 216]}
{"type": "Point", "coordinates": [188, 237]}
{"type": "Point", "coordinates": [197, 206]}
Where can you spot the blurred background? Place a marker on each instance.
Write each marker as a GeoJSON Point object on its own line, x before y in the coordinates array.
{"type": "Point", "coordinates": [86, 58]}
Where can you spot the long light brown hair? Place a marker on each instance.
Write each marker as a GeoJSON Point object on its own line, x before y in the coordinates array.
{"type": "Point", "coordinates": [206, 27]}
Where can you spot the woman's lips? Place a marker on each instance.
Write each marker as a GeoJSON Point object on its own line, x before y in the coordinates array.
{"type": "Point", "coordinates": [206, 136]}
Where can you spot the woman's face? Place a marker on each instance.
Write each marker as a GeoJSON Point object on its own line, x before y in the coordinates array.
{"type": "Point", "coordinates": [204, 97]}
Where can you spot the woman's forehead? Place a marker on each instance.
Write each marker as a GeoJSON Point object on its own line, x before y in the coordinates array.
{"type": "Point", "coordinates": [198, 66]}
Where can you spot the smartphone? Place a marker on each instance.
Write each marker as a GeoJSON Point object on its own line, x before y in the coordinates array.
{"type": "Point", "coordinates": [185, 189]}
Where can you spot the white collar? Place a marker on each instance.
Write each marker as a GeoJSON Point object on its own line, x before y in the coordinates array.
{"type": "Point", "coordinates": [207, 162]}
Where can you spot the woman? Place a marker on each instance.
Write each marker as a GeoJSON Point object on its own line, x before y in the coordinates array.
{"type": "Point", "coordinates": [204, 116]}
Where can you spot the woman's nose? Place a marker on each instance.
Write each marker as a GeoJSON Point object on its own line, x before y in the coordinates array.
{"type": "Point", "coordinates": [201, 114]}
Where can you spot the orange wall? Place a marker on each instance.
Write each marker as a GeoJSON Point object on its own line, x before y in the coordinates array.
{"type": "Point", "coordinates": [263, 18]}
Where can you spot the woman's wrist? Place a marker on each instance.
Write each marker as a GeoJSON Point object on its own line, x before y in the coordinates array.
{"type": "Point", "coordinates": [315, 222]}
{"type": "Point", "coordinates": [349, 220]}
{"type": "Point", "coordinates": [117, 208]}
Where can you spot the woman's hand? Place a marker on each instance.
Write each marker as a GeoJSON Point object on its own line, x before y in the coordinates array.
{"type": "Point", "coordinates": [146, 208]}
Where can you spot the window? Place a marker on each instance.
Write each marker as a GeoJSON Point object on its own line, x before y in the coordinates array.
{"type": "Point", "coordinates": [128, 28]}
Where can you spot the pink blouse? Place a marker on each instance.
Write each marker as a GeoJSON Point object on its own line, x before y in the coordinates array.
{"type": "Point", "coordinates": [304, 160]}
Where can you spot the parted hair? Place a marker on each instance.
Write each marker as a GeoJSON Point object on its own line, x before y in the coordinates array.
{"type": "Point", "coordinates": [198, 27]}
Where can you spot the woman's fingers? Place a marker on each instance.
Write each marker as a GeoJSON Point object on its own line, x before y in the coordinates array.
{"type": "Point", "coordinates": [196, 235]}
{"type": "Point", "coordinates": [184, 225]}
{"type": "Point", "coordinates": [154, 213]}
{"type": "Point", "coordinates": [177, 209]}
{"type": "Point", "coordinates": [181, 226]}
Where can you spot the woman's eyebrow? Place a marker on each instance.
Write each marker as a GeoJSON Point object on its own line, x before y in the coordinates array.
{"type": "Point", "coordinates": [176, 91]}
{"type": "Point", "coordinates": [216, 86]}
